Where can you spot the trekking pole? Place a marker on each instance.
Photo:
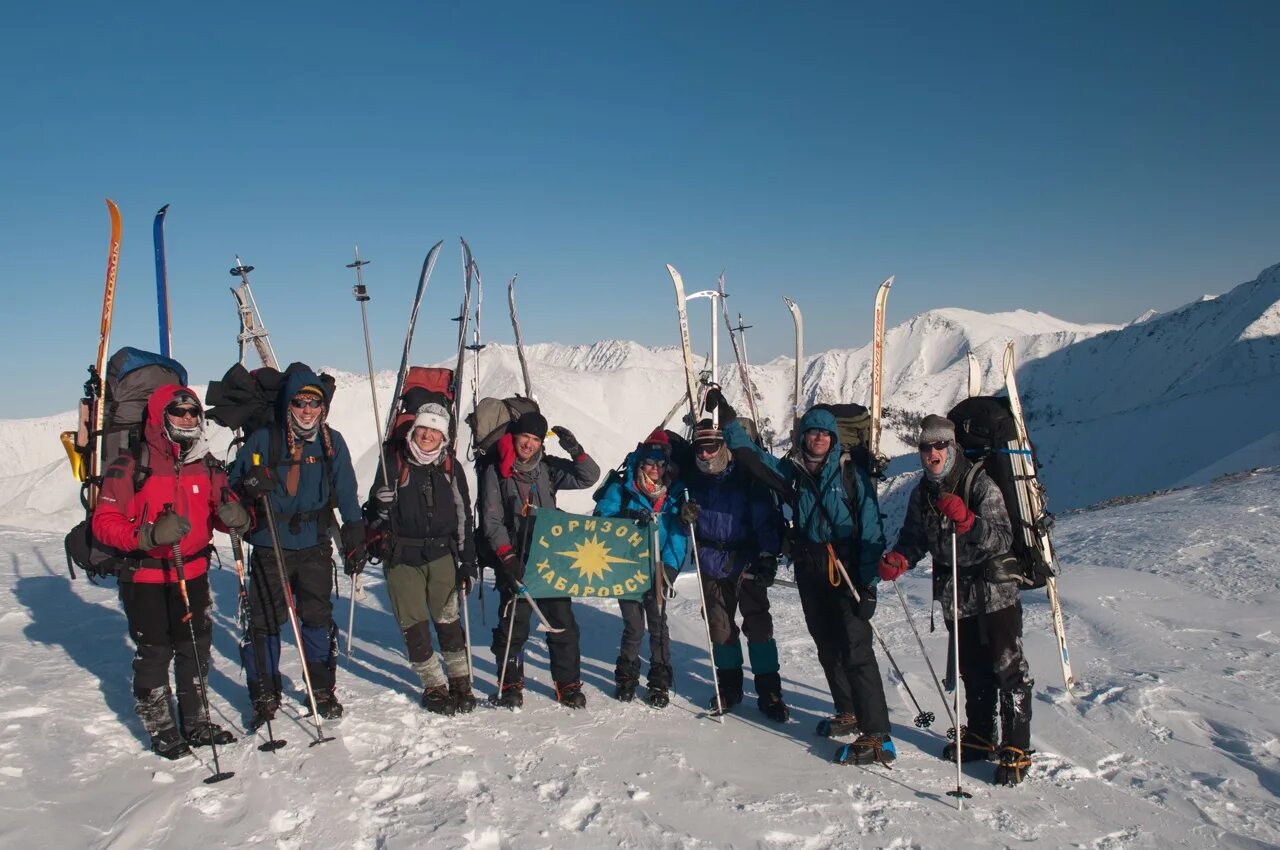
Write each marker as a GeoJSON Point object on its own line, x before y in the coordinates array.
{"type": "Point", "coordinates": [466, 637]}
{"type": "Point", "coordinates": [959, 793]}
{"type": "Point", "coordinates": [544, 625]}
{"type": "Point", "coordinates": [362, 298]}
{"type": "Point", "coordinates": [293, 616]}
{"type": "Point", "coordinates": [506, 653]}
{"type": "Point", "coordinates": [237, 550]}
{"type": "Point", "coordinates": [706, 622]}
{"type": "Point", "coordinates": [218, 774]}
{"type": "Point", "coordinates": [912, 623]}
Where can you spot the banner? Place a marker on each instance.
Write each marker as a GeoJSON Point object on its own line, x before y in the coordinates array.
{"type": "Point", "coordinates": [588, 556]}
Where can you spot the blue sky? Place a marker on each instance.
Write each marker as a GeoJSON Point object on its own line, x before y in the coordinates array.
{"type": "Point", "coordinates": [1090, 160]}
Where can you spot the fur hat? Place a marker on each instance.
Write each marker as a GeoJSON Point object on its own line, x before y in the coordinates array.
{"type": "Point", "coordinates": [530, 423]}
{"type": "Point", "coordinates": [432, 415]}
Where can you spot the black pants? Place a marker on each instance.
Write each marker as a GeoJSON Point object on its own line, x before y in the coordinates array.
{"type": "Point", "coordinates": [635, 615]}
{"type": "Point", "coordinates": [566, 657]}
{"type": "Point", "coordinates": [155, 613]}
{"type": "Point", "coordinates": [995, 670]}
{"type": "Point", "coordinates": [841, 629]}
{"type": "Point", "coordinates": [309, 574]}
{"type": "Point", "coordinates": [728, 596]}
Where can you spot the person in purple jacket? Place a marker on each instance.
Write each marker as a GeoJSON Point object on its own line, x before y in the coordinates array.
{"type": "Point", "coordinates": [739, 538]}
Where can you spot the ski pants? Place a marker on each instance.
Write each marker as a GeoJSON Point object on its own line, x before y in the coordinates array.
{"type": "Point", "coordinates": [728, 596]}
{"type": "Point", "coordinates": [994, 670]}
{"type": "Point", "coordinates": [422, 594]}
{"type": "Point", "coordinates": [566, 656]}
{"type": "Point", "coordinates": [155, 613]}
{"type": "Point", "coordinates": [309, 577]}
{"type": "Point", "coordinates": [841, 630]}
{"type": "Point", "coordinates": [636, 614]}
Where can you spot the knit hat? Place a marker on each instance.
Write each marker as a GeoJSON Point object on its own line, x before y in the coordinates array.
{"type": "Point", "coordinates": [707, 434]}
{"type": "Point", "coordinates": [311, 389]}
{"type": "Point", "coordinates": [656, 446]}
{"type": "Point", "coordinates": [432, 415]}
{"type": "Point", "coordinates": [936, 429]}
{"type": "Point", "coordinates": [530, 423]}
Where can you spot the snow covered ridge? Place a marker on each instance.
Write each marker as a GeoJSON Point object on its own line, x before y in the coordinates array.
{"type": "Point", "coordinates": [1177, 398]}
{"type": "Point", "coordinates": [1171, 741]}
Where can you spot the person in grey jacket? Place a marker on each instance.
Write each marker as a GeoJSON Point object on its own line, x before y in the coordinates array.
{"type": "Point", "coordinates": [954, 494]}
{"type": "Point", "coordinates": [520, 479]}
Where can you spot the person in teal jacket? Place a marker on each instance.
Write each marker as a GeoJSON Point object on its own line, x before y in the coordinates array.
{"type": "Point", "coordinates": [647, 492]}
{"type": "Point", "coordinates": [835, 517]}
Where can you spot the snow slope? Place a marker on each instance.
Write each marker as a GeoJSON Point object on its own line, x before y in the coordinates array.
{"type": "Point", "coordinates": [1172, 741]}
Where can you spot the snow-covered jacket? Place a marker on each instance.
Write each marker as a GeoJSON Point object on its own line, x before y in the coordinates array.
{"type": "Point", "coordinates": [505, 522]}
{"type": "Point", "coordinates": [854, 529]}
{"type": "Point", "coordinates": [737, 521]}
{"type": "Point", "coordinates": [194, 488]}
{"type": "Point", "coordinates": [620, 497]}
{"type": "Point", "coordinates": [923, 533]}
{"type": "Point", "coordinates": [323, 482]}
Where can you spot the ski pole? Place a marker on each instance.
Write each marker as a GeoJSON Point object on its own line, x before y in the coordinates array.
{"type": "Point", "coordinates": [466, 636]}
{"type": "Point", "coordinates": [293, 616]}
{"type": "Point", "coordinates": [912, 623]}
{"type": "Point", "coordinates": [959, 793]}
{"type": "Point", "coordinates": [706, 622]}
{"type": "Point", "coordinates": [237, 550]}
{"type": "Point", "coordinates": [179, 567]}
{"type": "Point", "coordinates": [506, 653]}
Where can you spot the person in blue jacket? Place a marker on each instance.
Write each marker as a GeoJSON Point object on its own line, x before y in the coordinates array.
{"type": "Point", "coordinates": [739, 538]}
{"type": "Point", "coordinates": [646, 491]}
{"type": "Point", "coordinates": [835, 520]}
{"type": "Point", "coordinates": [303, 468]}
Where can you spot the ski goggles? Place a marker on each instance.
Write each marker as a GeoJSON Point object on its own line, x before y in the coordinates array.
{"type": "Point", "coordinates": [178, 411]}
{"type": "Point", "coordinates": [936, 445]}
{"type": "Point", "coordinates": [709, 448]}
{"type": "Point", "coordinates": [306, 403]}
{"type": "Point", "coordinates": [660, 462]}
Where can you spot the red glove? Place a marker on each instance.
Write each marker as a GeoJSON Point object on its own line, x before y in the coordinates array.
{"type": "Point", "coordinates": [953, 508]}
{"type": "Point", "coordinates": [892, 566]}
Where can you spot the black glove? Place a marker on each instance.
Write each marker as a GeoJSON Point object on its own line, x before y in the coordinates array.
{"type": "Point", "coordinates": [466, 578]}
{"type": "Point", "coordinates": [165, 531]}
{"type": "Point", "coordinates": [355, 553]}
{"type": "Point", "coordinates": [568, 442]}
{"type": "Point", "coordinates": [257, 482]}
{"type": "Point", "coordinates": [234, 516]}
{"type": "Point", "coordinates": [867, 607]}
{"type": "Point", "coordinates": [765, 569]}
{"type": "Point", "coordinates": [714, 400]}
{"type": "Point", "coordinates": [689, 512]}
{"type": "Point", "coordinates": [669, 574]}
{"type": "Point", "coordinates": [510, 569]}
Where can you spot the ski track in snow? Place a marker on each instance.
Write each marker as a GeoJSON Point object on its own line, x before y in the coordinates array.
{"type": "Point", "coordinates": [1172, 739]}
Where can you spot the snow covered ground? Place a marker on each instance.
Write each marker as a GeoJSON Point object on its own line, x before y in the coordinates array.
{"type": "Point", "coordinates": [1172, 740]}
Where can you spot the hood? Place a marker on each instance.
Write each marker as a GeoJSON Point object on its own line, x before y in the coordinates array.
{"type": "Point", "coordinates": [826, 421]}
{"type": "Point", "coordinates": [153, 429]}
{"type": "Point", "coordinates": [296, 377]}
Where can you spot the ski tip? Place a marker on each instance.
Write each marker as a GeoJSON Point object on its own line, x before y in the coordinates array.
{"type": "Point", "coordinates": [888, 281]}
{"type": "Point", "coordinates": [160, 212]}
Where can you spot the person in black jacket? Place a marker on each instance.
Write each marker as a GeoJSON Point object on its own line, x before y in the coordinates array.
{"type": "Point", "coordinates": [425, 518]}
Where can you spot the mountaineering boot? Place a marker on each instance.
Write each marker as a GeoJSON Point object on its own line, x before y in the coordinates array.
{"type": "Point", "coordinates": [769, 697]}
{"type": "Point", "coordinates": [265, 704]}
{"type": "Point", "coordinates": [202, 733]}
{"type": "Point", "coordinates": [659, 685]}
{"type": "Point", "coordinates": [156, 712]}
{"type": "Point", "coordinates": [1013, 765]}
{"type": "Point", "coordinates": [571, 695]}
{"type": "Point", "coordinates": [973, 746]}
{"type": "Point", "coordinates": [437, 700]}
{"type": "Point", "coordinates": [511, 695]}
{"type": "Point", "coordinates": [838, 726]}
{"type": "Point", "coordinates": [169, 744]}
{"type": "Point", "coordinates": [626, 677]}
{"type": "Point", "coordinates": [460, 691]}
{"type": "Point", "coordinates": [658, 697]}
{"type": "Point", "coordinates": [730, 681]}
{"type": "Point", "coordinates": [327, 704]}
{"type": "Point", "coordinates": [869, 748]}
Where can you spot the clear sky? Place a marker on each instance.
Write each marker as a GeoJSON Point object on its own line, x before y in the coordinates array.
{"type": "Point", "coordinates": [1087, 159]}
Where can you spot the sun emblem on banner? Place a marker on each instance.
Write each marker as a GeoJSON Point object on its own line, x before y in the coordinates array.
{"type": "Point", "coordinates": [592, 560]}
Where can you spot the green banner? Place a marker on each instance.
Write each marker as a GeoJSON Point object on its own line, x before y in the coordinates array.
{"type": "Point", "coordinates": [588, 556]}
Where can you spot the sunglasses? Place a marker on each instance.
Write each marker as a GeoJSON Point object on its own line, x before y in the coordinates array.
{"type": "Point", "coordinates": [706, 449]}
{"type": "Point", "coordinates": [936, 445]}
{"type": "Point", "coordinates": [652, 461]}
{"type": "Point", "coordinates": [306, 403]}
{"type": "Point", "coordinates": [179, 411]}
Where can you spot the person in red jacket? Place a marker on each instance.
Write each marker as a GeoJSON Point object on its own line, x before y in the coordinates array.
{"type": "Point", "coordinates": [182, 497]}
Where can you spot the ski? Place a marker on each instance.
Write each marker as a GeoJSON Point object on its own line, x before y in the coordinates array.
{"type": "Point", "coordinates": [162, 284]}
{"type": "Point", "coordinates": [1031, 491]}
{"type": "Point", "coordinates": [798, 319]}
{"type": "Point", "coordinates": [475, 347]}
{"type": "Point", "coordinates": [739, 351]}
{"type": "Point", "coordinates": [878, 460]}
{"type": "Point", "coordinates": [515, 326]}
{"type": "Point", "coordinates": [427, 265]}
{"type": "Point", "coordinates": [975, 375]}
{"type": "Point", "coordinates": [686, 347]}
{"type": "Point", "coordinates": [468, 270]}
{"type": "Point", "coordinates": [252, 328]}
{"type": "Point", "coordinates": [95, 411]}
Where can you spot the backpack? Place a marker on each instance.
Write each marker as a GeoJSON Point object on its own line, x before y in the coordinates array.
{"type": "Point", "coordinates": [132, 376]}
{"type": "Point", "coordinates": [489, 421]}
{"type": "Point", "coordinates": [988, 434]}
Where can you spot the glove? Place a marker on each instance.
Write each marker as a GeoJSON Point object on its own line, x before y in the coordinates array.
{"type": "Point", "coordinates": [466, 578]}
{"type": "Point", "coordinates": [669, 574]}
{"type": "Point", "coordinates": [234, 516]}
{"type": "Point", "coordinates": [867, 607]}
{"type": "Point", "coordinates": [765, 569]}
{"type": "Point", "coordinates": [510, 569]}
{"type": "Point", "coordinates": [258, 482]}
{"type": "Point", "coordinates": [714, 400]}
{"type": "Point", "coordinates": [689, 512]}
{"type": "Point", "coordinates": [165, 531]}
{"type": "Point", "coordinates": [355, 554]}
{"type": "Point", "coordinates": [383, 498]}
{"type": "Point", "coordinates": [567, 441]}
{"type": "Point", "coordinates": [892, 566]}
{"type": "Point", "coordinates": [953, 508]}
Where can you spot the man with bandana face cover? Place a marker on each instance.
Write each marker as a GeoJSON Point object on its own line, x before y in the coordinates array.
{"type": "Point", "coordinates": [182, 499]}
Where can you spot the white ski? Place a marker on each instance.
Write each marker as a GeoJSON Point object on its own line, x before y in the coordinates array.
{"type": "Point", "coordinates": [798, 318]}
{"type": "Point", "coordinates": [686, 347]}
{"type": "Point", "coordinates": [975, 375]}
{"type": "Point", "coordinates": [878, 460]}
{"type": "Point", "coordinates": [515, 326]}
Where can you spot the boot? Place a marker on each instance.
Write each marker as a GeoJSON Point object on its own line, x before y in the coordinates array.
{"type": "Point", "coordinates": [202, 733]}
{"type": "Point", "coordinates": [730, 681]}
{"type": "Point", "coordinates": [973, 746]}
{"type": "Point", "coordinates": [626, 677]}
{"type": "Point", "coordinates": [1015, 717]}
{"type": "Point", "coordinates": [571, 695]}
{"type": "Point", "coordinates": [511, 695]}
{"type": "Point", "coordinates": [1013, 765]}
{"type": "Point", "coordinates": [838, 726]}
{"type": "Point", "coordinates": [460, 691]}
{"type": "Point", "coordinates": [322, 685]}
{"type": "Point", "coordinates": [659, 685]}
{"type": "Point", "coordinates": [156, 712]}
{"type": "Point", "coordinates": [437, 700]}
{"type": "Point", "coordinates": [769, 697]}
{"type": "Point", "coordinates": [168, 744]}
{"type": "Point", "coordinates": [869, 748]}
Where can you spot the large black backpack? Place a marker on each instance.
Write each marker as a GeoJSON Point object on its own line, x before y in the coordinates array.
{"type": "Point", "coordinates": [988, 434]}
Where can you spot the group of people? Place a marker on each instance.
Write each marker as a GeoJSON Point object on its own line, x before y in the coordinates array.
{"type": "Point", "coordinates": [728, 508]}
